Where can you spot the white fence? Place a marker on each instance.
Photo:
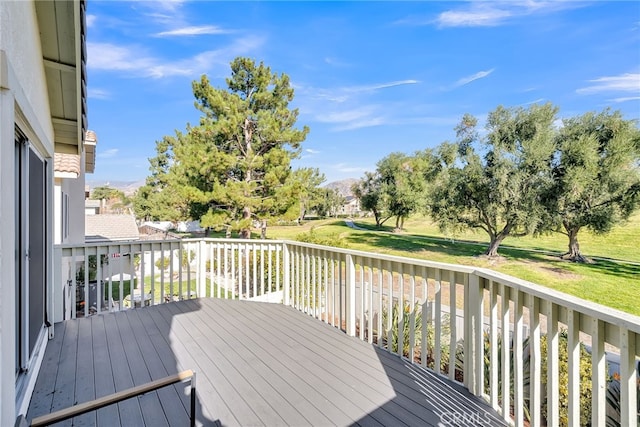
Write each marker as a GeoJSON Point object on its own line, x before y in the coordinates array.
{"type": "Point", "coordinates": [400, 304]}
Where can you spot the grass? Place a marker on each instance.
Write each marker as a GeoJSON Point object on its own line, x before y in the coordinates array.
{"type": "Point", "coordinates": [186, 287]}
{"type": "Point", "coordinates": [614, 281]}
{"type": "Point", "coordinates": [157, 288]}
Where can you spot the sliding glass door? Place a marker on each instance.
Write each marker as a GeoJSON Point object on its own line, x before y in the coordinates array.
{"type": "Point", "coordinates": [31, 252]}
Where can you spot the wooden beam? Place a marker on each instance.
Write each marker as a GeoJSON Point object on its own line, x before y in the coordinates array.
{"type": "Point", "coordinates": [59, 65]}
{"type": "Point", "coordinates": [62, 121]}
{"type": "Point", "coordinates": [65, 414]}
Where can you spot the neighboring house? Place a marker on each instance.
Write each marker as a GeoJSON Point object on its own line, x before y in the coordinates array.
{"type": "Point", "coordinates": [92, 207]}
{"type": "Point", "coordinates": [157, 228]}
{"type": "Point", "coordinates": [110, 228]}
{"type": "Point", "coordinates": [42, 115]}
{"type": "Point", "coordinates": [69, 192]}
{"type": "Point", "coordinates": [351, 206]}
{"type": "Point", "coordinates": [157, 231]}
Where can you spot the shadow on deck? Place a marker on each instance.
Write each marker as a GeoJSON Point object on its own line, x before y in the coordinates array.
{"type": "Point", "coordinates": [257, 364]}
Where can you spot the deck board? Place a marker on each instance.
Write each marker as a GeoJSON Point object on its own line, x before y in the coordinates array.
{"type": "Point", "coordinates": [280, 410]}
{"type": "Point", "coordinates": [128, 409]}
{"type": "Point", "coordinates": [173, 407]}
{"type": "Point", "coordinates": [256, 364]}
{"type": "Point", "coordinates": [326, 377]}
{"type": "Point", "coordinates": [357, 377]}
{"type": "Point", "coordinates": [66, 375]}
{"type": "Point", "coordinates": [85, 384]}
{"type": "Point", "coordinates": [104, 384]}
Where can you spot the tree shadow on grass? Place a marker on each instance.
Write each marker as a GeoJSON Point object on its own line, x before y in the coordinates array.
{"type": "Point", "coordinates": [407, 243]}
{"type": "Point", "coordinates": [413, 244]}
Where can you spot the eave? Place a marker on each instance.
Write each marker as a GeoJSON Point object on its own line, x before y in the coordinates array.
{"type": "Point", "coordinates": [62, 37]}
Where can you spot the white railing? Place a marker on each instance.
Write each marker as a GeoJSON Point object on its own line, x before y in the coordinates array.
{"type": "Point", "coordinates": [97, 277]}
{"type": "Point", "coordinates": [448, 318]}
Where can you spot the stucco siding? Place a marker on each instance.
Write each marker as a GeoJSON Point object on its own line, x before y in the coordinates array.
{"type": "Point", "coordinates": [20, 39]}
{"type": "Point", "coordinates": [23, 100]}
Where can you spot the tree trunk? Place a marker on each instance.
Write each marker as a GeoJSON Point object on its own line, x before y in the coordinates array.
{"type": "Point", "coordinates": [574, 246]}
{"type": "Point", "coordinates": [245, 233]}
{"type": "Point", "coordinates": [303, 211]}
{"type": "Point", "coordinates": [263, 229]}
{"type": "Point", "coordinates": [378, 218]}
{"type": "Point", "coordinates": [492, 250]}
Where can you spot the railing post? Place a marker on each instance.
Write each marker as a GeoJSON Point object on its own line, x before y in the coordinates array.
{"type": "Point", "coordinates": [59, 290]}
{"type": "Point", "coordinates": [474, 357]}
{"type": "Point", "coordinates": [628, 390]}
{"type": "Point", "coordinates": [202, 268]}
{"type": "Point", "coordinates": [286, 274]}
{"type": "Point", "coordinates": [350, 288]}
{"type": "Point", "coordinates": [598, 376]}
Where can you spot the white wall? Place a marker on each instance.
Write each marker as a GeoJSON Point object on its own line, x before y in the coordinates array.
{"type": "Point", "coordinates": [23, 99]}
{"type": "Point", "coordinates": [75, 189]}
{"type": "Point", "coordinates": [20, 39]}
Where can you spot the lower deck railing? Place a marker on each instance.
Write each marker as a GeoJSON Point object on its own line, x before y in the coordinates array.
{"type": "Point", "coordinates": [536, 355]}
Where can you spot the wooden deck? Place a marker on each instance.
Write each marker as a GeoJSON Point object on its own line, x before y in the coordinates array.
{"type": "Point", "coordinates": [256, 364]}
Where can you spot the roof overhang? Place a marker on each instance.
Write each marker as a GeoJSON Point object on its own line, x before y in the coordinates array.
{"type": "Point", "coordinates": [62, 37]}
{"type": "Point", "coordinates": [90, 142]}
{"type": "Point", "coordinates": [66, 165]}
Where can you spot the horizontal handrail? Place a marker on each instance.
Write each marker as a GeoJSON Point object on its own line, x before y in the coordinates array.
{"type": "Point", "coordinates": [592, 309]}
{"type": "Point", "coordinates": [82, 408]}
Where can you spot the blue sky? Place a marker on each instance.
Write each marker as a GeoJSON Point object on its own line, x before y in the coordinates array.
{"type": "Point", "coordinates": [370, 78]}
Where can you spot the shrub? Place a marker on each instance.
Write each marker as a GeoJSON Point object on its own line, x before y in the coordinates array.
{"type": "Point", "coordinates": [242, 260]}
{"type": "Point", "coordinates": [163, 263]}
{"type": "Point", "coordinates": [613, 401]}
{"type": "Point", "coordinates": [445, 333]}
{"type": "Point", "coordinates": [332, 239]}
{"type": "Point", "coordinates": [563, 380]}
{"type": "Point", "coordinates": [406, 328]}
{"type": "Point", "coordinates": [186, 258]}
{"type": "Point", "coordinates": [525, 370]}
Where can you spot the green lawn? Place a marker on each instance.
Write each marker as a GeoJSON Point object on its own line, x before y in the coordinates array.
{"type": "Point", "coordinates": [614, 282]}
{"type": "Point", "coordinates": [157, 288]}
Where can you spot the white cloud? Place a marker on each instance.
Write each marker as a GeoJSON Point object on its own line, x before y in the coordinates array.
{"type": "Point", "coordinates": [625, 99]}
{"type": "Point", "coordinates": [136, 62]}
{"type": "Point", "coordinates": [98, 94]}
{"type": "Point", "coordinates": [346, 115]}
{"type": "Point", "coordinates": [535, 101]}
{"type": "Point", "coordinates": [359, 124]}
{"type": "Point", "coordinates": [477, 17]}
{"type": "Point", "coordinates": [193, 31]}
{"type": "Point", "coordinates": [479, 75]}
{"type": "Point", "coordinates": [91, 19]}
{"type": "Point", "coordinates": [336, 62]}
{"type": "Point", "coordinates": [107, 56]}
{"type": "Point", "coordinates": [165, 5]}
{"type": "Point", "coordinates": [490, 14]}
{"type": "Point", "coordinates": [378, 86]}
{"type": "Point", "coordinates": [343, 94]}
{"type": "Point", "coordinates": [629, 82]}
{"type": "Point", "coordinates": [163, 12]}
{"type": "Point", "coordinates": [356, 118]}
{"type": "Point", "coordinates": [312, 151]}
{"type": "Point", "coordinates": [106, 154]}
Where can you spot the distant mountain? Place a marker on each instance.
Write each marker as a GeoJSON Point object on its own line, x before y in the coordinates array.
{"type": "Point", "coordinates": [343, 186]}
{"type": "Point", "coordinates": [127, 187]}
